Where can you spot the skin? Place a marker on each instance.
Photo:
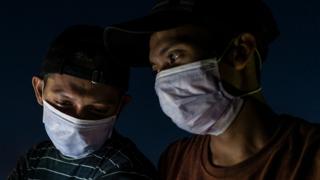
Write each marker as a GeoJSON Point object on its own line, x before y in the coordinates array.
{"type": "Point", "coordinates": [253, 126]}
{"type": "Point", "coordinates": [79, 97]}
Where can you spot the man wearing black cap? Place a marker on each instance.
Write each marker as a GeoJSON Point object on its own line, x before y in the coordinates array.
{"type": "Point", "coordinates": [208, 55]}
{"type": "Point", "coordinates": [82, 91]}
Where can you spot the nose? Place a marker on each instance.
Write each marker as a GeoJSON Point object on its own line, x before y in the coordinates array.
{"type": "Point", "coordinates": [77, 111]}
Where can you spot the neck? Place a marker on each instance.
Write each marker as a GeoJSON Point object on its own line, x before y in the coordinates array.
{"type": "Point", "coordinates": [248, 134]}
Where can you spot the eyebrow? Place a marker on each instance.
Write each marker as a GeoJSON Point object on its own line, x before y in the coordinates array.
{"type": "Point", "coordinates": [167, 46]}
{"type": "Point", "coordinates": [108, 101]}
{"type": "Point", "coordinates": [183, 39]}
{"type": "Point", "coordinates": [57, 90]}
{"type": "Point", "coordinates": [74, 88]}
{"type": "Point", "coordinates": [63, 94]}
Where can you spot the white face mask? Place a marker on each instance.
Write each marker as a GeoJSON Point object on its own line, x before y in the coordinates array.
{"type": "Point", "coordinates": [192, 95]}
{"type": "Point", "coordinates": [74, 137]}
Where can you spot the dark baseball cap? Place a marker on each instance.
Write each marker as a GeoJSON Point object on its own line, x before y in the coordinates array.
{"type": "Point", "coordinates": [80, 51]}
{"type": "Point", "coordinates": [129, 40]}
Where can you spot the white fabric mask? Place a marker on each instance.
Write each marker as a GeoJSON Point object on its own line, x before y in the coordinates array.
{"type": "Point", "coordinates": [74, 137]}
{"type": "Point", "coordinates": [192, 95]}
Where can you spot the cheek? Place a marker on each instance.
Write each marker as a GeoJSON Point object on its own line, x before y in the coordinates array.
{"type": "Point", "coordinates": [228, 75]}
{"type": "Point", "coordinates": [201, 54]}
{"type": "Point", "coordinates": [194, 53]}
{"type": "Point", "coordinates": [115, 108]}
{"type": "Point", "coordinates": [160, 64]}
{"type": "Point", "coordinates": [115, 111]}
{"type": "Point", "coordinates": [47, 96]}
{"type": "Point", "coordinates": [118, 108]}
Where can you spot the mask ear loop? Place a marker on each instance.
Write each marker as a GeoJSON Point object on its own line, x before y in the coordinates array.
{"type": "Point", "coordinates": [119, 108]}
{"type": "Point", "coordinates": [260, 67]}
{"type": "Point", "coordinates": [42, 90]}
{"type": "Point", "coordinates": [44, 82]}
{"type": "Point", "coordinates": [259, 58]}
{"type": "Point", "coordinates": [225, 50]}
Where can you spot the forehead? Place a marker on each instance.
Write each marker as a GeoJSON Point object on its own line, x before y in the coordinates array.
{"type": "Point", "coordinates": [181, 33]}
{"type": "Point", "coordinates": [62, 83]}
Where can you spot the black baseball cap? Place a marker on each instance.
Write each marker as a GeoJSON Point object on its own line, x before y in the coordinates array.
{"type": "Point", "coordinates": [80, 51]}
{"type": "Point", "coordinates": [129, 40]}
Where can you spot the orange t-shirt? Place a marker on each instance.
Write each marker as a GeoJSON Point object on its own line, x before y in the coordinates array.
{"type": "Point", "coordinates": [293, 153]}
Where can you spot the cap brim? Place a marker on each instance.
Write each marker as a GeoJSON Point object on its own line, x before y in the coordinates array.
{"type": "Point", "coordinates": [129, 42]}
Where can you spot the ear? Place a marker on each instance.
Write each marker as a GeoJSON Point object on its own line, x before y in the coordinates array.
{"type": "Point", "coordinates": [126, 99]}
{"type": "Point", "coordinates": [37, 84]}
{"type": "Point", "coordinates": [123, 102]}
{"type": "Point", "coordinates": [244, 48]}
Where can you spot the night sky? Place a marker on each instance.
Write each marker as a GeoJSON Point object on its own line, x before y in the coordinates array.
{"type": "Point", "coordinates": [290, 76]}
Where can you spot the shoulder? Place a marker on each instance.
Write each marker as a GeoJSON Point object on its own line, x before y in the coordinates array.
{"type": "Point", "coordinates": [301, 128]}
{"type": "Point", "coordinates": [27, 160]}
{"type": "Point", "coordinates": [39, 149]}
{"type": "Point", "coordinates": [186, 145]}
{"type": "Point", "coordinates": [302, 136]}
{"type": "Point", "coordinates": [181, 154]}
{"type": "Point", "coordinates": [304, 139]}
{"type": "Point", "coordinates": [121, 157]}
{"type": "Point", "coordinates": [186, 148]}
{"type": "Point", "coordinates": [44, 145]}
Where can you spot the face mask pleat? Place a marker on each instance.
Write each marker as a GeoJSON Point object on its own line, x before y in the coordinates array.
{"type": "Point", "coordinates": [193, 97]}
{"type": "Point", "coordinates": [75, 138]}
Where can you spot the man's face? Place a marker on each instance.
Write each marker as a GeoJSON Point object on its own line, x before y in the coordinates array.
{"type": "Point", "coordinates": [187, 44]}
{"type": "Point", "coordinates": [178, 46]}
{"type": "Point", "coordinates": [78, 97]}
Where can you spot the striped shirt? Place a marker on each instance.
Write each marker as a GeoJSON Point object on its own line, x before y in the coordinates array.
{"type": "Point", "coordinates": [117, 159]}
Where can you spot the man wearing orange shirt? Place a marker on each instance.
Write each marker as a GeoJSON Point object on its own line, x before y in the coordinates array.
{"type": "Point", "coordinates": [207, 55]}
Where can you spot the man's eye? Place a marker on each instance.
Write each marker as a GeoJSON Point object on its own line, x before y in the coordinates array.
{"type": "Point", "coordinates": [99, 111]}
{"type": "Point", "coordinates": [63, 103]}
{"type": "Point", "coordinates": [173, 56]}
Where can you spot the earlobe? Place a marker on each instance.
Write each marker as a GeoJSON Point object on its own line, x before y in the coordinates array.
{"type": "Point", "coordinates": [37, 85]}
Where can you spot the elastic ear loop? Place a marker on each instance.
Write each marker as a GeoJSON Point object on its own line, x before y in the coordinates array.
{"type": "Point", "coordinates": [44, 85]}
{"type": "Point", "coordinates": [260, 67]}
{"type": "Point", "coordinates": [42, 91]}
{"type": "Point", "coordinates": [119, 108]}
{"type": "Point", "coordinates": [44, 82]}
{"type": "Point", "coordinates": [225, 50]}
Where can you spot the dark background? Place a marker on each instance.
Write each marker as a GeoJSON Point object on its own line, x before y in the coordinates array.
{"type": "Point", "coordinates": [290, 75]}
